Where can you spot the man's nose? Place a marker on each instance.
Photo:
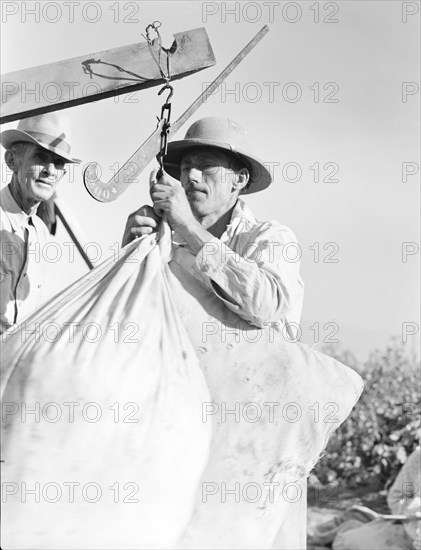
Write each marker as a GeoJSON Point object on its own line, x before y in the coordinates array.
{"type": "Point", "coordinates": [50, 168]}
{"type": "Point", "coordinates": [195, 175]}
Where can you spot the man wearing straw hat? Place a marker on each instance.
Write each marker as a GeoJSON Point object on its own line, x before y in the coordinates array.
{"type": "Point", "coordinates": [251, 266]}
{"type": "Point", "coordinates": [36, 153]}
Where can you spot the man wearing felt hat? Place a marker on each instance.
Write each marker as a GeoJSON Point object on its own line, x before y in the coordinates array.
{"type": "Point", "coordinates": [36, 153]}
{"type": "Point", "coordinates": [251, 266]}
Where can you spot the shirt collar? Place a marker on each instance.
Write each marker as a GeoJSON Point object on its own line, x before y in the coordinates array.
{"type": "Point", "coordinates": [16, 216]}
{"type": "Point", "coordinates": [242, 218]}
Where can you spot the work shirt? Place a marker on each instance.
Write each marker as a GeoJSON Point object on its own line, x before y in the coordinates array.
{"type": "Point", "coordinates": [253, 268]}
{"type": "Point", "coordinates": [23, 238]}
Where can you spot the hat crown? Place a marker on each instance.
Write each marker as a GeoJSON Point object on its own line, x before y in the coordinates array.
{"type": "Point", "coordinates": [220, 130]}
{"type": "Point", "coordinates": [50, 124]}
{"type": "Point", "coordinates": [49, 130]}
{"type": "Point", "coordinates": [226, 135]}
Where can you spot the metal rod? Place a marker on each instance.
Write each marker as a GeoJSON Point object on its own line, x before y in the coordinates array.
{"type": "Point", "coordinates": [73, 236]}
{"type": "Point", "coordinates": [218, 80]}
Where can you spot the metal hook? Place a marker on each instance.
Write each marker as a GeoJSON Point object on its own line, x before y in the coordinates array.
{"type": "Point", "coordinates": [169, 87]}
{"type": "Point", "coordinates": [152, 26]}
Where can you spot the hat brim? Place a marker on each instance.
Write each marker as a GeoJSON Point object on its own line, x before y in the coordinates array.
{"type": "Point", "coordinates": [260, 177]}
{"type": "Point", "coordinates": [9, 137]}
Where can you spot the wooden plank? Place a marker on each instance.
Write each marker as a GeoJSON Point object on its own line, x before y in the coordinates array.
{"type": "Point", "coordinates": [100, 75]}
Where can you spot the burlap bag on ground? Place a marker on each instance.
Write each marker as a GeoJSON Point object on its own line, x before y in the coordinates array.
{"type": "Point", "coordinates": [114, 452]}
{"type": "Point", "coordinates": [273, 406]}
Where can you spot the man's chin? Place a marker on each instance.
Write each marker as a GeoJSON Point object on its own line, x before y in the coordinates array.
{"type": "Point", "coordinates": [197, 201]}
{"type": "Point", "coordinates": [43, 191]}
{"type": "Point", "coordinates": [196, 196]}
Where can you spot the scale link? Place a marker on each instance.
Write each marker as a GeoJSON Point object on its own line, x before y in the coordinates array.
{"type": "Point", "coordinates": [166, 108]}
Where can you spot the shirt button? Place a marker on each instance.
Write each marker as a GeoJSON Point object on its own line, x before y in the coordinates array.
{"type": "Point", "coordinates": [205, 268]}
{"type": "Point", "coordinates": [25, 274]}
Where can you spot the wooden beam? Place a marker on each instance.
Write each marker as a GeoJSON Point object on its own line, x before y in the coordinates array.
{"type": "Point", "coordinates": [100, 75]}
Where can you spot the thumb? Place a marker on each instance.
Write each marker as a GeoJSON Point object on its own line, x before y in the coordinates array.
{"type": "Point", "coordinates": [154, 176]}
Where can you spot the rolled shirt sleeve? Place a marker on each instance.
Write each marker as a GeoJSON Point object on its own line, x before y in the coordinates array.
{"type": "Point", "coordinates": [255, 273]}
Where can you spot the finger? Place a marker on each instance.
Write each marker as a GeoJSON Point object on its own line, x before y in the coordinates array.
{"type": "Point", "coordinates": [144, 211]}
{"type": "Point", "coordinates": [162, 187]}
{"type": "Point", "coordinates": [140, 231]}
{"type": "Point", "coordinates": [163, 191]}
{"type": "Point", "coordinates": [153, 176]}
{"type": "Point", "coordinates": [150, 213]}
{"type": "Point", "coordinates": [140, 211]}
{"type": "Point", "coordinates": [161, 206]}
{"type": "Point", "coordinates": [165, 179]}
{"type": "Point", "coordinates": [160, 196]}
{"type": "Point", "coordinates": [145, 221]}
{"type": "Point", "coordinates": [169, 181]}
{"type": "Point", "coordinates": [153, 181]}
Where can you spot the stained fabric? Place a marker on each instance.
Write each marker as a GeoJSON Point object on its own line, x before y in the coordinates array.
{"type": "Point", "coordinates": [115, 446]}
{"type": "Point", "coordinates": [275, 402]}
{"type": "Point", "coordinates": [269, 403]}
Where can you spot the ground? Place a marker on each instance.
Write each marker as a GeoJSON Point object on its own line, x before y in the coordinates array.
{"type": "Point", "coordinates": [326, 502]}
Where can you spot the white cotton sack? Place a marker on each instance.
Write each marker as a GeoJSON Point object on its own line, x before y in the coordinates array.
{"type": "Point", "coordinates": [112, 455]}
{"type": "Point", "coordinates": [274, 404]}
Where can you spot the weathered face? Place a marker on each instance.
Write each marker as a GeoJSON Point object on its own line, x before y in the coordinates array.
{"type": "Point", "coordinates": [211, 183]}
{"type": "Point", "coordinates": [37, 172]}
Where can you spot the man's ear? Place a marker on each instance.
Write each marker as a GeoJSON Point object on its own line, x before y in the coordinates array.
{"type": "Point", "coordinates": [241, 180]}
{"type": "Point", "coordinates": [10, 159]}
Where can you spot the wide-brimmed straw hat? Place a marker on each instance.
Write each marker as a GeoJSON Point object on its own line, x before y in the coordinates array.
{"type": "Point", "coordinates": [224, 134]}
{"type": "Point", "coordinates": [50, 131]}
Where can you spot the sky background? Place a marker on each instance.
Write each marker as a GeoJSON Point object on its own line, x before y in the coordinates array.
{"type": "Point", "coordinates": [359, 122]}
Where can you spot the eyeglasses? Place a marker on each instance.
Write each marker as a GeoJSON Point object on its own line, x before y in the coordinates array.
{"type": "Point", "coordinates": [45, 158]}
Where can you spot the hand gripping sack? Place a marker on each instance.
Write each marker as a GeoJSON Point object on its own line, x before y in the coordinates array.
{"type": "Point", "coordinates": [112, 453]}
{"type": "Point", "coordinates": [275, 402]}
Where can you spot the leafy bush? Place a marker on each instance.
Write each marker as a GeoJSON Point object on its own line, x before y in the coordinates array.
{"type": "Point", "coordinates": [383, 428]}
